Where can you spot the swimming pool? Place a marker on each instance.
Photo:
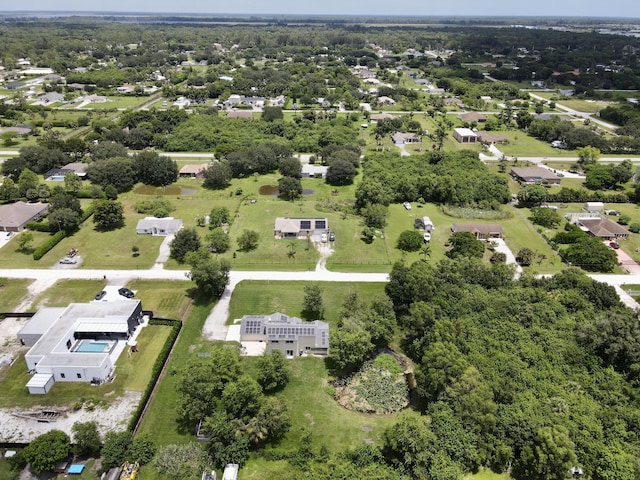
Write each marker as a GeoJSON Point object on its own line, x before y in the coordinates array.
{"type": "Point", "coordinates": [89, 346]}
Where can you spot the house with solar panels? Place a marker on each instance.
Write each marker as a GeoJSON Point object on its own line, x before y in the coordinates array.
{"type": "Point", "coordinates": [300, 228]}
{"type": "Point", "coordinates": [290, 335]}
{"type": "Point", "coordinates": [77, 343]}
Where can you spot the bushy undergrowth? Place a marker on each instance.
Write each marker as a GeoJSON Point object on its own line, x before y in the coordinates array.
{"type": "Point", "coordinates": [378, 387]}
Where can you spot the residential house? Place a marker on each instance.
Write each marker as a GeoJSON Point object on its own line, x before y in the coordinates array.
{"type": "Point", "coordinates": [278, 101]}
{"type": "Point", "coordinates": [193, 171]}
{"type": "Point", "coordinates": [14, 85]}
{"type": "Point", "coordinates": [15, 216]}
{"type": "Point", "coordinates": [486, 137]}
{"type": "Point", "coordinates": [289, 335]}
{"type": "Point", "coordinates": [58, 174]}
{"type": "Point", "coordinates": [465, 135]}
{"type": "Point", "coordinates": [530, 175]}
{"type": "Point", "coordinates": [51, 97]}
{"type": "Point", "coordinates": [158, 226]}
{"type": "Point", "coordinates": [300, 228]}
{"type": "Point", "coordinates": [77, 343]}
{"type": "Point", "coordinates": [314, 171]}
{"type": "Point", "coordinates": [375, 118]}
{"type": "Point", "coordinates": [182, 102]}
{"type": "Point", "coordinates": [602, 228]}
{"type": "Point", "coordinates": [482, 231]}
{"type": "Point", "coordinates": [126, 89]}
{"type": "Point", "coordinates": [471, 117]}
{"type": "Point", "coordinates": [386, 101]}
{"type": "Point", "coordinates": [404, 138]}
{"type": "Point", "coordinates": [233, 100]}
{"type": "Point", "coordinates": [257, 102]}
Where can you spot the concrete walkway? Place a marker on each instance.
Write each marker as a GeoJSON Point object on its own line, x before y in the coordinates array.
{"type": "Point", "coordinates": [502, 247]}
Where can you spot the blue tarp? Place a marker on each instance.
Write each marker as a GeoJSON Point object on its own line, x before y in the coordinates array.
{"type": "Point", "coordinates": [76, 468]}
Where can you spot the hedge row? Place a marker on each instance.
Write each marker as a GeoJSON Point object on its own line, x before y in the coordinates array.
{"type": "Point", "coordinates": [49, 244]}
{"type": "Point", "coordinates": [571, 195]}
{"type": "Point", "coordinates": [157, 366]}
{"type": "Point", "coordinates": [39, 226]}
{"type": "Point", "coordinates": [88, 212]}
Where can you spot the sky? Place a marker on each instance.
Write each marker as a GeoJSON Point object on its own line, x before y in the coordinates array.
{"type": "Point", "coordinates": [553, 8]}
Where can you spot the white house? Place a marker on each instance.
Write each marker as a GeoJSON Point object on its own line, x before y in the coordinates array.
{"type": "Point", "coordinates": [77, 343]}
{"type": "Point", "coordinates": [158, 226]}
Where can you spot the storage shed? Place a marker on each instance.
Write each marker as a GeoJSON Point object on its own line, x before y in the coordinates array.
{"type": "Point", "coordinates": [428, 224]}
{"type": "Point", "coordinates": [40, 383]}
{"type": "Point", "coordinates": [593, 206]}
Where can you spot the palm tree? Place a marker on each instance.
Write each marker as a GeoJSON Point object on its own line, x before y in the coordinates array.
{"type": "Point", "coordinates": [425, 251]}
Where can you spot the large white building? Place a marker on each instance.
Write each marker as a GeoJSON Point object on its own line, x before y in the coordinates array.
{"type": "Point", "coordinates": [77, 343]}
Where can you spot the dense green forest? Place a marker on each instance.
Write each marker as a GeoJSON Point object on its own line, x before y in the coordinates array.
{"type": "Point", "coordinates": [537, 375]}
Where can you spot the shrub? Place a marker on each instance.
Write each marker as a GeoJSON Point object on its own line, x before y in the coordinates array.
{"type": "Point", "coordinates": [410, 241]}
{"type": "Point", "coordinates": [634, 228]}
{"type": "Point", "coordinates": [624, 219]}
{"type": "Point", "coordinates": [498, 257]}
{"type": "Point", "coordinates": [39, 226]}
{"type": "Point", "coordinates": [153, 206]}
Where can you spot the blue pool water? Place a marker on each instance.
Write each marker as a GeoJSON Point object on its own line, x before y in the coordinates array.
{"type": "Point", "coordinates": [88, 346]}
{"type": "Point", "coordinates": [57, 178]}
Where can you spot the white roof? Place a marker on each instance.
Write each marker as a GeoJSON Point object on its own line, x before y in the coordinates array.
{"type": "Point", "coordinates": [314, 169]}
{"type": "Point", "coordinates": [166, 223]}
{"type": "Point", "coordinates": [91, 327]}
{"type": "Point", "coordinates": [465, 132]}
{"type": "Point", "coordinates": [39, 380]}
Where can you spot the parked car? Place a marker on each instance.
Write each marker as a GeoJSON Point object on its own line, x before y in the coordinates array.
{"type": "Point", "coordinates": [9, 234]}
{"type": "Point", "coordinates": [612, 212]}
{"type": "Point", "coordinates": [614, 245]}
{"type": "Point", "coordinates": [407, 205]}
{"type": "Point", "coordinates": [100, 295]}
{"type": "Point", "coordinates": [427, 237]}
{"type": "Point", "coordinates": [323, 238]}
{"type": "Point", "coordinates": [125, 292]}
{"type": "Point", "coordinates": [332, 237]}
{"type": "Point", "coordinates": [68, 261]}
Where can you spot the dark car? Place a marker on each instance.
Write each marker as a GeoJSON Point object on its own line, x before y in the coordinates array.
{"type": "Point", "coordinates": [125, 292]}
{"type": "Point", "coordinates": [332, 237]}
{"type": "Point", "coordinates": [100, 295]}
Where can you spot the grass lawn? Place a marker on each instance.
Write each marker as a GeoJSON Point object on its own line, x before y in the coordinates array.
{"type": "Point", "coordinates": [266, 297]}
{"type": "Point", "coordinates": [11, 292]}
{"type": "Point", "coordinates": [165, 298]}
{"type": "Point", "coordinates": [64, 292]}
{"type": "Point", "coordinates": [117, 102]}
{"type": "Point", "coordinates": [132, 373]}
{"type": "Point", "coordinates": [522, 145]}
{"type": "Point", "coordinates": [161, 419]}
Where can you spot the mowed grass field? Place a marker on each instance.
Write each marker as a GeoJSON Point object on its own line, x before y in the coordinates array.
{"type": "Point", "coordinates": [165, 298]}
{"type": "Point", "coordinates": [266, 297]}
{"type": "Point", "coordinates": [64, 292]}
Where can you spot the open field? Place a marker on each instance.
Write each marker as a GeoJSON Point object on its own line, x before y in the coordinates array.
{"type": "Point", "coordinates": [11, 293]}
{"type": "Point", "coordinates": [165, 298]}
{"type": "Point", "coordinates": [265, 297]}
{"type": "Point", "coordinates": [64, 292]}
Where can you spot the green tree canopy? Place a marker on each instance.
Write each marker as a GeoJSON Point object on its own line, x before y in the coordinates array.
{"type": "Point", "coordinates": [47, 450]}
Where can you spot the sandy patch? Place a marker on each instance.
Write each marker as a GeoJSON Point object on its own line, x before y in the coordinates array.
{"type": "Point", "coordinates": [114, 417]}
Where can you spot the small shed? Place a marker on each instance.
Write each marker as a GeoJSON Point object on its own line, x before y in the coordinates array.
{"type": "Point", "coordinates": [428, 224]}
{"type": "Point", "coordinates": [40, 383]}
{"type": "Point", "coordinates": [593, 206]}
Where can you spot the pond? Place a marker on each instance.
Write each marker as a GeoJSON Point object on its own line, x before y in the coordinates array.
{"type": "Point", "coordinates": [170, 190]}
{"type": "Point", "coordinates": [273, 190]}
